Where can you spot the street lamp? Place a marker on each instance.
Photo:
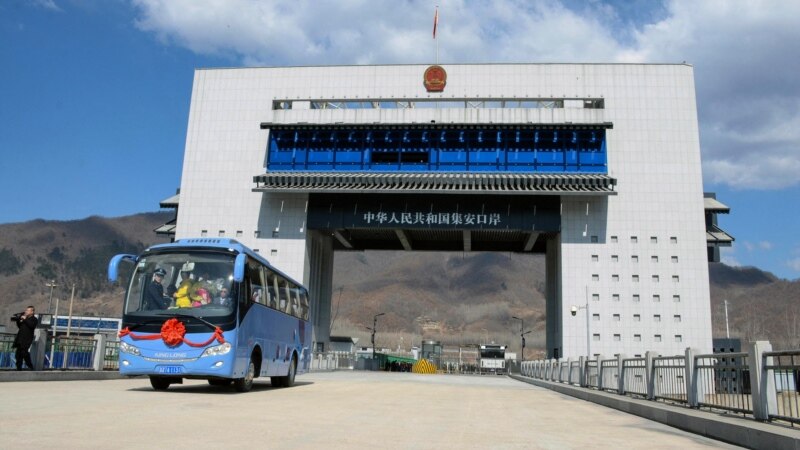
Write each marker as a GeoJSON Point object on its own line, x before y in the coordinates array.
{"type": "Point", "coordinates": [52, 284]}
{"type": "Point", "coordinates": [521, 335]}
{"type": "Point", "coordinates": [574, 311]}
{"type": "Point", "coordinates": [374, 328]}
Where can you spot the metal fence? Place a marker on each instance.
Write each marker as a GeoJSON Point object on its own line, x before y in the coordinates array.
{"type": "Point", "coordinates": [634, 372]}
{"type": "Point", "coordinates": [723, 382]}
{"type": "Point", "coordinates": [784, 370]}
{"type": "Point", "coordinates": [111, 355]}
{"type": "Point", "coordinates": [669, 378]}
{"type": "Point", "coordinates": [7, 357]}
{"type": "Point", "coordinates": [609, 375]}
{"type": "Point", "coordinates": [591, 373]}
{"type": "Point", "coordinates": [71, 353]}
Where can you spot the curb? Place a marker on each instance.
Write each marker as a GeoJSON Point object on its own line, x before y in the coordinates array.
{"type": "Point", "coordinates": [58, 375]}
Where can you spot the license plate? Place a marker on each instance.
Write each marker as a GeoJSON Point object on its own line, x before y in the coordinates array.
{"type": "Point", "coordinates": [171, 370]}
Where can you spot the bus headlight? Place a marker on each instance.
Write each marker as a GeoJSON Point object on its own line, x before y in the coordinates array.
{"type": "Point", "coordinates": [127, 348]}
{"type": "Point", "coordinates": [217, 350]}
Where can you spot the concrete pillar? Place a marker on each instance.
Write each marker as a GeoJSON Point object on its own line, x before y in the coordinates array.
{"type": "Point", "coordinates": [38, 348]}
{"type": "Point", "coordinates": [554, 321]}
{"type": "Point", "coordinates": [762, 383]}
{"type": "Point", "coordinates": [319, 279]}
{"type": "Point", "coordinates": [99, 352]}
{"type": "Point", "coordinates": [600, 372]}
{"type": "Point", "coordinates": [649, 374]}
{"type": "Point", "coordinates": [620, 374]}
{"type": "Point", "coordinates": [582, 371]}
{"type": "Point", "coordinates": [690, 377]}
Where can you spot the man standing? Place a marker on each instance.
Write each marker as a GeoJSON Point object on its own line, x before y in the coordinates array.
{"type": "Point", "coordinates": [154, 295]}
{"type": "Point", "coordinates": [26, 322]}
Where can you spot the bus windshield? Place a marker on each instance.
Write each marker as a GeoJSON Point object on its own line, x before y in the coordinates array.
{"type": "Point", "coordinates": [196, 283]}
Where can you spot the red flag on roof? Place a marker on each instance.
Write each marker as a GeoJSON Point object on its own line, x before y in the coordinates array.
{"type": "Point", "coordinates": [435, 21]}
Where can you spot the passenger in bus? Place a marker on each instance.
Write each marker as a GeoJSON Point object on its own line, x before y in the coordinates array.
{"type": "Point", "coordinates": [185, 293]}
{"type": "Point", "coordinates": [223, 299]}
{"type": "Point", "coordinates": [154, 294]}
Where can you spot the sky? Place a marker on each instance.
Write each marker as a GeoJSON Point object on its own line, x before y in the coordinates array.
{"type": "Point", "coordinates": [94, 94]}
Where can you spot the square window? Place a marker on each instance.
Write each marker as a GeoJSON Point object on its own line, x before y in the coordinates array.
{"type": "Point", "coordinates": [595, 258]}
{"type": "Point", "coordinates": [617, 337]}
{"type": "Point", "coordinates": [595, 277]}
{"type": "Point", "coordinates": [221, 233]}
{"type": "Point", "coordinates": [615, 297]}
{"type": "Point", "coordinates": [238, 233]}
{"type": "Point", "coordinates": [676, 298]}
{"type": "Point", "coordinates": [275, 233]}
{"type": "Point", "coordinates": [594, 239]}
{"type": "Point", "coordinates": [656, 298]}
{"type": "Point", "coordinates": [614, 239]}
{"type": "Point", "coordinates": [637, 318]}
{"type": "Point", "coordinates": [614, 258]}
{"type": "Point", "coordinates": [596, 337]}
{"type": "Point", "coordinates": [654, 259]}
{"type": "Point", "coordinates": [653, 240]}
{"type": "Point", "coordinates": [678, 338]}
{"type": "Point", "coordinates": [634, 239]}
{"type": "Point", "coordinates": [596, 317]}
{"type": "Point", "coordinates": [635, 297]}
{"type": "Point", "coordinates": [595, 297]}
{"type": "Point", "coordinates": [615, 277]}
{"type": "Point", "coordinates": [676, 318]}
{"type": "Point", "coordinates": [673, 240]}
{"type": "Point", "coordinates": [676, 278]}
{"type": "Point", "coordinates": [674, 259]}
{"type": "Point", "coordinates": [656, 279]}
{"type": "Point", "coordinates": [634, 259]}
{"type": "Point", "coordinates": [273, 252]}
{"type": "Point", "coordinates": [635, 278]}
{"type": "Point", "coordinates": [657, 338]}
{"type": "Point", "coordinates": [656, 317]}
{"type": "Point", "coordinates": [616, 317]}
{"type": "Point", "coordinates": [203, 233]}
{"type": "Point", "coordinates": [637, 338]}
{"type": "Point", "coordinates": [256, 234]}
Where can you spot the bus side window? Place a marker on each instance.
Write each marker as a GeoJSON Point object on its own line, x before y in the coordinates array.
{"type": "Point", "coordinates": [283, 294]}
{"type": "Point", "coordinates": [272, 292]}
{"type": "Point", "coordinates": [256, 282]}
{"type": "Point", "coordinates": [304, 306]}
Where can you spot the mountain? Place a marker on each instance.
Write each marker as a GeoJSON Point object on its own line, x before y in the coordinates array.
{"type": "Point", "coordinates": [449, 296]}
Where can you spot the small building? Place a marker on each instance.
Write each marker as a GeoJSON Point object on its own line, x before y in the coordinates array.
{"type": "Point", "coordinates": [344, 344]}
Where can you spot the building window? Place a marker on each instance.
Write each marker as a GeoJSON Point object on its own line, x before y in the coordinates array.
{"type": "Point", "coordinates": [595, 297]}
{"type": "Point", "coordinates": [221, 233]}
{"type": "Point", "coordinates": [595, 258]}
{"type": "Point", "coordinates": [634, 259]}
{"type": "Point", "coordinates": [654, 259]}
{"type": "Point", "coordinates": [635, 297]}
{"type": "Point", "coordinates": [615, 277]}
{"type": "Point", "coordinates": [656, 278]}
{"type": "Point", "coordinates": [614, 258]}
{"type": "Point", "coordinates": [617, 337]}
{"type": "Point", "coordinates": [596, 317]}
{"type": "Point", "coordinates": [637, 317]}
{"type": "Point", "coordinates": [595, 277]}
{"type": "Point", "coordinates": [635, 278]}
{"type": "Point", "coordinates": [656, 317]}
{"type": "Point", "coordinates": [657, 338]}
{"type": "Point", "coordinates": [675, 279]}
{"type": "Point", "coordinates": [653, 240]}
{"type": "Point", "coordinates": [614, 239]}
{"type": "Point", "coordinates": [637, 338]}
{"type": "Point", "coordinates": [673, 240]}
{"type": "Point", "coordinates": [594, 239]}
{"type": "Point", "coordinates": [596, 337]}
{"type": "Point", "coordinates": [273, 252]}
{"type": "Point", "coordinates": [203, 233]}
{"type": "Point", "coordinates": [239, 233]}
{"type": "Point", "coordinates": [616, 317]}
{"type": "Point", "coordinates": [256, 234]}
{"type": "Point", "coordinates": [676, 298]}
{"type": "Point", "coordinates": [678, 338]}
{"type": "Point", "coordinates": [674, 259]}
{"type": "Point", "coordinates": [634, 239]}
{"type": "Point", "coordinates": [615, 297]}
{"type": "Point", "coordinates": [656, 298]}
{"type": "Point", "coordinates": [676, 318]}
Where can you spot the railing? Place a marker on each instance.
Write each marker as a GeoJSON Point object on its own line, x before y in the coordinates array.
{"type": "Point", "coordinates": [71, 353]}
{"type": "Point", "coordinates": [111, 355]}
{"type": "Point", "coordinates": [333, 361]}
{"type": "Point", "coordinates": [7, 356]}
{"type": "Point", "coordinates": [669, 374]}
{"type": "Point", "coordinates": [784, 370]}
{"type": "Point", "coordinates": [634, 372]}
{"type": "Point", "coordinates": [759, 382]}
{"type": "Point", "coordinates": [723, 382]}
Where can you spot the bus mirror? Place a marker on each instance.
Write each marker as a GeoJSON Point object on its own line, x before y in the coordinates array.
{"type": "Point", "coordinates": [238, 267]}
{"type": "Point", "coordinates": [113, 265]}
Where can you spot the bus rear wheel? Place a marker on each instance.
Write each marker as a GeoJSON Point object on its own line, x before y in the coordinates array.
{"type": "Point", "coordinates": [160, 383]}
{"type": "Point", "coordinates": [288, 380]}
{"type": "Point", "coordinates": [245, 383]}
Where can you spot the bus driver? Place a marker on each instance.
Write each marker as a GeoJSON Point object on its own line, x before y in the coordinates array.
{"type": "Point", "coordinates": [154, 294]}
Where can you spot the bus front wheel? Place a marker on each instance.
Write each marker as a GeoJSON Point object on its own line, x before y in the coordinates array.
{"type": "Point", "coordinates": [245, 383]}
{"type": "Point", "coordinates": [160, 383]}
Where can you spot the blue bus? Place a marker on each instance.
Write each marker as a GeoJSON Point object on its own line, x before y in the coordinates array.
{"type": "Point", "coordinates": [211, 309]}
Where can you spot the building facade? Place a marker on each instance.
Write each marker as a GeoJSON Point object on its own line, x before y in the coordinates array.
{"type": "Point", "coordinates": [595, 165]}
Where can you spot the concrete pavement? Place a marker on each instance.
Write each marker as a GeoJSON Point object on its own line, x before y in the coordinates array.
{"type": "Point", "coordinates": [324, 410]}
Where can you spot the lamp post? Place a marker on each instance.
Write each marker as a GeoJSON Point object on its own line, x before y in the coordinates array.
{"type": "Point", "coordinates": [574, 311]}
{"type": "Point", "coordinates": [521, 336]}
{"type": "Point", "coordinates": [52, 285]}
{"type": "Point", "coordinates": [374, 328]}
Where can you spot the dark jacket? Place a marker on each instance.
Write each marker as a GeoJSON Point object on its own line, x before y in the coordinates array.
{"type": "Point", "coordinates": [154, 297]}
{"type": "Point", "coordinates": [24, 337]}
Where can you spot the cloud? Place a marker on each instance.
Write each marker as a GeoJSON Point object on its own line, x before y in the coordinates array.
{"type": "Point", "coordinates": [727, 256]}
{"type": "Point", "coordinates": [761, 245]}
{"type": "Point", "coordinates": [744, 53]}
{"type": "Point", "coordinates": [47, 4]}
{"type": "Point", "coordinates": [794, 264]}
{"type": "Point", "coordinates": [765, 245]}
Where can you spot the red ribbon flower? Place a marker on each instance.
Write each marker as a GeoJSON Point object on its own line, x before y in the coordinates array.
{"type": "Point", "coordinates": [172, 332]}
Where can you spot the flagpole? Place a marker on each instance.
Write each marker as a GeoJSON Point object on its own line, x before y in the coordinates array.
{"type": "Point", "coordinates": [435, 26]}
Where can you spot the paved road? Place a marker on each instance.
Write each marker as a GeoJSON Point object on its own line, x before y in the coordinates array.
{"type": "Point", "coordinates": [324, 410]}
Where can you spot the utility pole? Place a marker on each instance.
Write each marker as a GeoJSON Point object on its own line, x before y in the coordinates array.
{"type": "Point", "coordinates": [521, 335]}
{"type": "Point", "coordinates": [727, 329]}
{"type": "Point", "coordinates": [374, 328]}
{"type": "Point", "coordinates": [69, 320]}
{"type": "Point", "coordinates": [52, 284]}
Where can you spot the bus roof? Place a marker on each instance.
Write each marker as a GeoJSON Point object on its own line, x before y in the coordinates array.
{"type": "Point", "coordinates": [222, 244]}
